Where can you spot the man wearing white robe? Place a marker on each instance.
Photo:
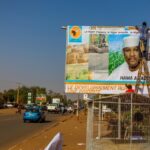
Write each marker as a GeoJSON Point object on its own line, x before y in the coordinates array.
{"type": "Point", "coordinates": [128, 71]}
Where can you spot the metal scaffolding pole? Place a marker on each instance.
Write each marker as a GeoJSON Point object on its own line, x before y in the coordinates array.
{"type": "Point", "coordinates": [119, 118]}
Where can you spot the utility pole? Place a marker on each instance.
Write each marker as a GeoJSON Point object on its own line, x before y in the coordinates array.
{"type": "Point", "coordinates": [77, 104]}
{"type": "Point", "coordinates": [18, 101]}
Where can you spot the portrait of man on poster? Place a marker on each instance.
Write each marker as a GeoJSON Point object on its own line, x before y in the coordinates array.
{"type": "Point", "coordinates": [132, 55]}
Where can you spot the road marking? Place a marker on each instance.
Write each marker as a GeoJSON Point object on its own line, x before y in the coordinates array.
{"type": "Point", "coordinates": [7, 119]}
{"type": "Point", "coordinates": [12, 147]}
{"type": "Point", "coordinates": [42, 131]}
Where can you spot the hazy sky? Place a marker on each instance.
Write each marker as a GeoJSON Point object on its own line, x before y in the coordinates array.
{"type": "Point", "coordinates": [32, 43]}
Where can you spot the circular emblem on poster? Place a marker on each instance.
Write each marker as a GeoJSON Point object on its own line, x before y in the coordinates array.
{"type": "Point", "coordinates": [75, 32]}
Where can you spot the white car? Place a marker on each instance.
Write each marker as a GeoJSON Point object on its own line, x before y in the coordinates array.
{"type": "Point", "coordinates": [70, 109]}
{"type": "Point", "coordinates": [8, 105]}
{"type": "Point", "coordinates": [53, 108]}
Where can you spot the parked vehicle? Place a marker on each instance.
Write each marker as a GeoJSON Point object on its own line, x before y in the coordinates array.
{"type": "Point", "coordinates": [28, 106]}
{"type": "Point", "coordinates": [70, 109]}
{"type": "Point", "coordinates": [1, 105]}
{"type": "Point", "coordinates": [43, 107]}
{"type": "Point", "coordinates": [8, 105]}
{"type": "Point", "coordinates": [53, 108]}
{"type": "Point", "coordinates": [34, 114]}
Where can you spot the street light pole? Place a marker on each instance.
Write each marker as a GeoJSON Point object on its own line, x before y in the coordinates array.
{"type": "Point", "coordinates": [64, 27]}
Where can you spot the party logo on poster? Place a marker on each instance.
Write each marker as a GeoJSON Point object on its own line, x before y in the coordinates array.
{"type": "Point", "coordinates": [75, 34]}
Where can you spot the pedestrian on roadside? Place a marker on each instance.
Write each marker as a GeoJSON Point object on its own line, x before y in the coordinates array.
{"type": "Point", "coordinates": [129, 88]}
{"type": "Point", "coordinates": [18, 109]}
{"type": "Point", "coordinates": [62, 109]}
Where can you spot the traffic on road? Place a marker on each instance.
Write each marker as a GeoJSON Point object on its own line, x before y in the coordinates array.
{"type": "Point", "coordinates": [17, 125]}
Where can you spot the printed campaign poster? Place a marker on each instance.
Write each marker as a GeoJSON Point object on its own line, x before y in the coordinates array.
{"type": "Point", "coordinates": [102, 59]}
{"type": "Point", "coordinates": [40, 98]}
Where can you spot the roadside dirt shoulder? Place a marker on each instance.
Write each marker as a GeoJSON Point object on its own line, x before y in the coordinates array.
{"type": "Point", "coordinates": [8, 111]}
{"type": "Point", "coordinates": [72, 129]}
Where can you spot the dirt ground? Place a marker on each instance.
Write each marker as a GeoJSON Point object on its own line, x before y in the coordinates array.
{"type": "Point", "coordinates": [72, 129]}
{"type": "Point", "coordinates": [74, 136]}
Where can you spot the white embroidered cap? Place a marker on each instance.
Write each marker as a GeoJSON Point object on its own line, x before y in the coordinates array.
{"type": "Point", "coordinates": [131, 41]}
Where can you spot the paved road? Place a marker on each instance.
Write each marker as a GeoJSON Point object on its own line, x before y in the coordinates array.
{"type": "Point", "coordinates": [13, 130]}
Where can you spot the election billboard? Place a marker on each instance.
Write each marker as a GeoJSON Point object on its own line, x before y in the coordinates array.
{"type": "Point", "coordinates": [56, 100]}
{"type": "Point", "coordinates": [40, 98]}
{"type": "Point", "coordinates": [102, 59]}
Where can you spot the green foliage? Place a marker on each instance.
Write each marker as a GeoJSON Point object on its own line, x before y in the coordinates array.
{"type": "Point", "coordinates": [11, 95]}
{"type": "Point", "coordinates": [115, 60]}
{"type": "Point", "coordinates": [23, 94]}
{"type": "Point", "coordinates": [126, 117]}
{"type": "Point", "coordinates": [70, 102]}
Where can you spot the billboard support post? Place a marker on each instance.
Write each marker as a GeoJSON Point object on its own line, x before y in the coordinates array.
{"type": "Point", "coordinates": [89, 132]}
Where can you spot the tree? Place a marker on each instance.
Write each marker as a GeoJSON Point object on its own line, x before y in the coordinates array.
{"type": "Point", "coordinates": [1, 98]}
{"type": "Point", "coordinates": [23, 94]}
{"type": "Point", "coordinates": [9, 96]}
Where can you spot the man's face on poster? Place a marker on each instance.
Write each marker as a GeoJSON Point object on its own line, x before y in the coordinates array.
{"type": "Point", "coordinates": [132, 57]}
